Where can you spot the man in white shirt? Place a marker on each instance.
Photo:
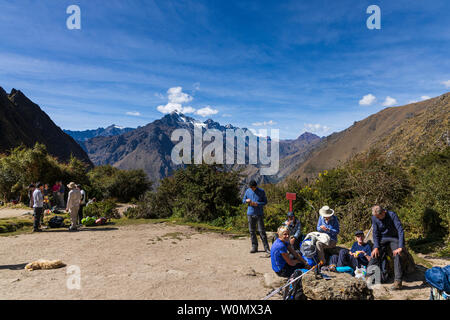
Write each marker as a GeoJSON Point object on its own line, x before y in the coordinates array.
{"type": "Point", "coordinates": [38, 206]}
{"type": "Point", "coordinates": [73, 205]}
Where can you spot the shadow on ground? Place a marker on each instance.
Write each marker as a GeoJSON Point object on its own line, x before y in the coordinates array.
{"type": "Point", "coordinates": [13, 266]}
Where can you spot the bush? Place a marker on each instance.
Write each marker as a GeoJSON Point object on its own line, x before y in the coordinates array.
{"type": "Point", "coordinates": [199, 193]}
{"type": "Point", "coordinates": [24, 165]}
{"type": "Point", "coordinates": [105, 209]}
{"type": "Point", "coordinates": [124, 185]}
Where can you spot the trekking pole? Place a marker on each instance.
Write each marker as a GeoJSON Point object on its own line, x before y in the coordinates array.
{"type": "Point", "coordinates": [368, 232]}
{"type": "Point", "coordinates": [290, 282]}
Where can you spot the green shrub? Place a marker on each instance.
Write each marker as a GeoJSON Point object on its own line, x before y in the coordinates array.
{"type": "Point", "coordinates": [105, 209]}
{"type": "Point", "coordinates": [198, 193]}
{"type": "Point", "coordinates": [108, 182]}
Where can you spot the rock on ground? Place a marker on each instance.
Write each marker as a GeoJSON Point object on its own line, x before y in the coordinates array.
{"type": "Point", "coordinates": [341, 286]}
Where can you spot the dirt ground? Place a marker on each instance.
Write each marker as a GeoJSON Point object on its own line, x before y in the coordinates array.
{"type": "Point", "coordinates": [148, 261]}
{"type": "Point", "coordinates": [13, 213]}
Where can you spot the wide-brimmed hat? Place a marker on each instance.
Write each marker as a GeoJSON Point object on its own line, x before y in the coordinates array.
{"type": "Point", "coordinates": [326, 212]}
{"type": "Point", "coordinates": [72, 185]}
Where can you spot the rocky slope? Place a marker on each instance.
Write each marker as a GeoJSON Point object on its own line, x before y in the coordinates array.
{"type": "Point", "coordinates": [398, 132]}
{"type": "Point", "coordinates": [22, 122]}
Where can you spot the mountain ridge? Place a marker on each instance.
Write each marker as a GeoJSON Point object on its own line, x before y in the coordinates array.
{"type": "Point", "coordinates": [22, 122]}
{"type": "Point", "coordinates": [395, 131]}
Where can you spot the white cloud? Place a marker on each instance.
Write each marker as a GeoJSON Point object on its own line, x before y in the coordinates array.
{"type": "Point", "coordinates": [265, 123]}
{"type": "Point", "coordinates": [317, 128]}
{"type": "Point", "coordinates": [425, 97]}
{"type": "Point", "coordinates": [227, 115]}
{"type": "Point", "coordinates": [446, 83]}
{"type": "Point", "coordinates": [367, 100]}
{"type": "Point", "coordinates": [171, 107]}
{"type": "Point", "coordinates": [206, 111]}
{"type": "Point", "coordinates": [133, 113]}
{"type": "Point", "coordinates": [389, 102]}
{"type": "Point", "coordinates": [176, 95]}
{"type": "Point", "coordinates": [176, 98]}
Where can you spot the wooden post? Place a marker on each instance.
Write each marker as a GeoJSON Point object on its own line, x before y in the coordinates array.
{"type": "Point", "coordinates": [290, 197]}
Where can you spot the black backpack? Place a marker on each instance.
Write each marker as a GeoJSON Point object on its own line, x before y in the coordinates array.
{"type": "Point", "coordinates": [294, 291]}
{"type": "Point", "coordinates": [56, 222]}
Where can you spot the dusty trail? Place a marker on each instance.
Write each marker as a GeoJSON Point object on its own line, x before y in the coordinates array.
{"type": "Point", "coordinates": [150, 261]}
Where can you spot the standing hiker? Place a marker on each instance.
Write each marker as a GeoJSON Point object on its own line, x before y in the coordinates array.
{"type": "Point", "coordinates": [61, 193]}
{"type": "Point", "coordinates": [38, 206]}
{"type": "Point", "coordinates": [73, 205]}
{"type": "Point", "coordinates": [82, 203]}
{"type": "Point", "coordinates": [295, 230]}
{"type": "Point", "coordinates": [256, 199]}
{"type": "Point", "coordinates": [388, 232]}
{"type": "Point", "coordinates": [55, 190]}
{"type": "Point", "coordinates": [31, 189]}
{"type": "Point", "coordinates": [328, 223]}
{"type": "Point", "coordinates": [282, 263]}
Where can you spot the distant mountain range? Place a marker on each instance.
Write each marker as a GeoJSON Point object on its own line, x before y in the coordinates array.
{"type": "Point", "coordinates": [22, 122]}
{"type": "Point", "coordinates": [112, 130]}
{"type": "Point", "coordinates": [399, 132]}
{"type": "Point", "coordinates": [150, 148]}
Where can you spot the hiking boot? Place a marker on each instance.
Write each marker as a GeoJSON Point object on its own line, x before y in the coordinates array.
{"type": "Point", "coordinates": [397, 285]}
{"type": "Point", "coordinates": [267, 250]}
{"type": "Point", "coordinates": [254, 250]}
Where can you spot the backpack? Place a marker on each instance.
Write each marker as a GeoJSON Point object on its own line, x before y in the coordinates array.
{"type": "Point", "coordinates": [439, 278]}
{"type": "Point", "coordinates": [56, 222]}
{"type": "Point", "coordinates": [308, 248]}
{"type": "Point", "coordinates": [294, 291]}
{"type": "Point", "coordinates": [318, 236]}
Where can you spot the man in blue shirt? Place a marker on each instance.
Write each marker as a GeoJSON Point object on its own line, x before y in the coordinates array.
{"type": "Point", "coordinates": [359, 254]}
{"type": "Point", "coordinates": [388, 231]}
{"type": "Point", "coordinates": [256, 199]}
{"type": "Point", "coordinates": [329, 224]}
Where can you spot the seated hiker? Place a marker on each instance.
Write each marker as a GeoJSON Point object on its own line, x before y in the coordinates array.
{"type": "Point", "coordinates": [329, 224]}
{"type": "Point", "coordinates": [294, 226]}
{"type": "Point", "coordinates": [387, 232]}
{"type": "Point", "coordinates": [358, 256]}
{"type": "Point", "coordinates": [282, 263]}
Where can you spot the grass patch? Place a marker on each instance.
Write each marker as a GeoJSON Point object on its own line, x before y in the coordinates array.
{"type": "Point", "coordinates": [11, 226]}
{"type": "Point", "coordinates": [444, 253]}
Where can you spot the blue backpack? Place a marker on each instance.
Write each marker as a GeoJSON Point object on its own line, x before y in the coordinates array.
{"type": "Point", "coordinates": [439, 278]}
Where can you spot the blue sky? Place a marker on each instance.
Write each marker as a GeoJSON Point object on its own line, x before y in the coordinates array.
{"type": "Point", "coordinates": [290, 65]}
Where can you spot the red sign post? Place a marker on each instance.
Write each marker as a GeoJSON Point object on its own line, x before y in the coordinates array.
{"type": "Point", "coordinates": [290, 197]}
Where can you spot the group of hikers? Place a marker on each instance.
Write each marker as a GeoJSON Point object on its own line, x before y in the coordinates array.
{"type": "Point", "coordinates": [43, 198]}
{"type": "Point", "coordinates": [286, 252]}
